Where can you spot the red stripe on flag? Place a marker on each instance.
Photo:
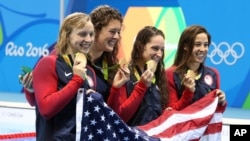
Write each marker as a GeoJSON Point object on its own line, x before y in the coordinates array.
{"type": "Point", "coordinates": [213, 128]}
{"type": "Point", "coordinates": [190, 123]}
{"type": "Point", "coordinates": [184, 126]}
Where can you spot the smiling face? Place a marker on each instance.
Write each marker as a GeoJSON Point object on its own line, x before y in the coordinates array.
{"type": "Point", "coordinates": [192, 48]}
{"type": "Point", "coordinates": [149, 45]}
{"type": "Point", "coordinates": [109, 36]}
{"type": "Point", "coordinates": [154, 49]}
{"type": "Point", "coordinates": [200, 49]}
{"type": "Point", "coordinates": [81, 39]}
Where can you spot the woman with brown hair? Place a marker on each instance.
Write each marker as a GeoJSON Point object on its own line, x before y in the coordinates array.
{"type": "Point", "coordinates": [107, 22]}
{"type": "Point", "coordinates": [144, 95]}
{"type": "Point", "coordinates": [189, 78]}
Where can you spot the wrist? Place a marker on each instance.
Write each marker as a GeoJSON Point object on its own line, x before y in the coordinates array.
{"type": "Point", "coordinates": [30, 90]}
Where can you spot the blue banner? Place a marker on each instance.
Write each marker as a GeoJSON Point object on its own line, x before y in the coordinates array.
{"type": "Point", "coordinates": [28, 30]}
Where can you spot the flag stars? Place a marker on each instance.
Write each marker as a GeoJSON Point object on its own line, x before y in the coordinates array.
{"type": "Point", "coordinates": [114, 135]}
{"type": "Point", "coordinates": [129, 128]}
{"type": "Point", "coordinates": [126, 139]}
{"type": "Point", "coordinates": [117, 122]}
{"type": "Point", "coordinates": [90, 99]}
{"type": "Point", "coordinates": [85, 128]}
{"type": "Point", "coordinates": [99, 131]}
{"type": "Point", "coordinates": [90, 137]}
{"type": "Point", "coordinates": [111, 113]}
{"type": "Point", "coordinates": [136, 131]}
{"type": "Point", "coordinates": [122, 130]}
{"type": "Point", "coordinates": [109, 127]}
{"type": "Point", "coordinates": [136, 136]}
{"type": "Point", "coordinates": [93, 122]}
{"type": "Point", "coordinates": [102, 118]}
{"type": "Point", "coordinates": [106, 139]}
{"type": "Point", "coordinates": [97, 108]}
{"type": "Point", "coordinates": [105, 104]}
{"type": "Point", "coordinates": [86, 114]}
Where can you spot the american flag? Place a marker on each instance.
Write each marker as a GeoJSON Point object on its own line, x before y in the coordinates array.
{"type": "Point", "coordinates": [199, 121]}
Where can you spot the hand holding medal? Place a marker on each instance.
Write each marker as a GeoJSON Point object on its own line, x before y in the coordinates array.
{"type": "Point", "coordinates": [79, 66]}
{"type": "Point", "coordinates": [189, 80]}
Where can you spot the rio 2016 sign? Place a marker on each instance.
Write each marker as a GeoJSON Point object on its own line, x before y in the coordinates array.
{"type": "Point", "coordinates": [32, 37]}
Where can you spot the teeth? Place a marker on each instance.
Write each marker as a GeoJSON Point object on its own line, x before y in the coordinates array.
{"type": "Point", "coordinates": [157, 59]}
{"type": "Point", "coordinates": [112, 42]}
{"type": "Point", "coordinates": [200, 54]}
{"type": "Point", "coordinates": [84, 45]}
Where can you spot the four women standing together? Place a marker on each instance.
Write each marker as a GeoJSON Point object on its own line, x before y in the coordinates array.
{"type": "Point", "coordinates": [86, 60]}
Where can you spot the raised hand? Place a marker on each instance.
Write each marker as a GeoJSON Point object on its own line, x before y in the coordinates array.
{"type": "Point", "coordinates": [79, 66]}
{"type": "Point", "coordinates": [147, 77]}
{"type": "Point", "coordinates": [189, 80]}
{"type": "Point", "coordinates": [222, 96]}
{"type": "Point", "coordinates": [122, 76]}
{"type": "Point", "coordinates": [152, 65]}
{"type": "Point", "coordinates": [27, 82]}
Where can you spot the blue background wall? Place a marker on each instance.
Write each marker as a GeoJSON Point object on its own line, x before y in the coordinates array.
{"type": "Point", "coordinates": [29, 28]}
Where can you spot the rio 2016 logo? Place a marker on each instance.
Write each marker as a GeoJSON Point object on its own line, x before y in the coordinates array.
{"type": "Point", "coordinates": [13, 50]}
{"type": "Point", "coordinates": [225, 53]}
{"type": "Point", "coordinates": [20, 42]}
{"type": "Point", "coordinates": [24, 41]}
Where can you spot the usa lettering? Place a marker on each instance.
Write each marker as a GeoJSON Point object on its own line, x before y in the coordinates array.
{"type": "Point", "coordinates": [240, 132]}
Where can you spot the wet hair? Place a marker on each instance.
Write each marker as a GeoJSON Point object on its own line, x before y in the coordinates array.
{"type": "Point", "coordinates": [143, 37]}
{"type": "Point", "coordinates": [186, 45]}
{"type": "Point", "coordinates": [74, 20]}
{"type": "Point", "coordinates": [100, 17]}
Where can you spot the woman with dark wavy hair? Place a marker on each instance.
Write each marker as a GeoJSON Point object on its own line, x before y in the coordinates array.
{"type": "Point", "coordinates": [108, 23]}
{"type": "Point", "coordinates": [144, 95]}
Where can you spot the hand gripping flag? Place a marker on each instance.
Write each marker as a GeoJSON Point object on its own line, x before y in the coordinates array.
{"type": "Point", "coordinates": [199, 121]}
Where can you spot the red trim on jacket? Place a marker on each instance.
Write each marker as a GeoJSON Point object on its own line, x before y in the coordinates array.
{"type": "Point", "coordinates": [30, 97]}
{"type": "Point", "coordinates": [49, 100]}
{"type": "Point", "coordinates": [174, 102]}
{"type": "Point", "coordinates": [186, 98]}
{"type": "Point", "coordinates": [123, 105]}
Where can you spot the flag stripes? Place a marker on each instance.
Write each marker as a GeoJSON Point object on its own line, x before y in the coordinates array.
{"type": "Point", "coordinates": [200, 121]}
